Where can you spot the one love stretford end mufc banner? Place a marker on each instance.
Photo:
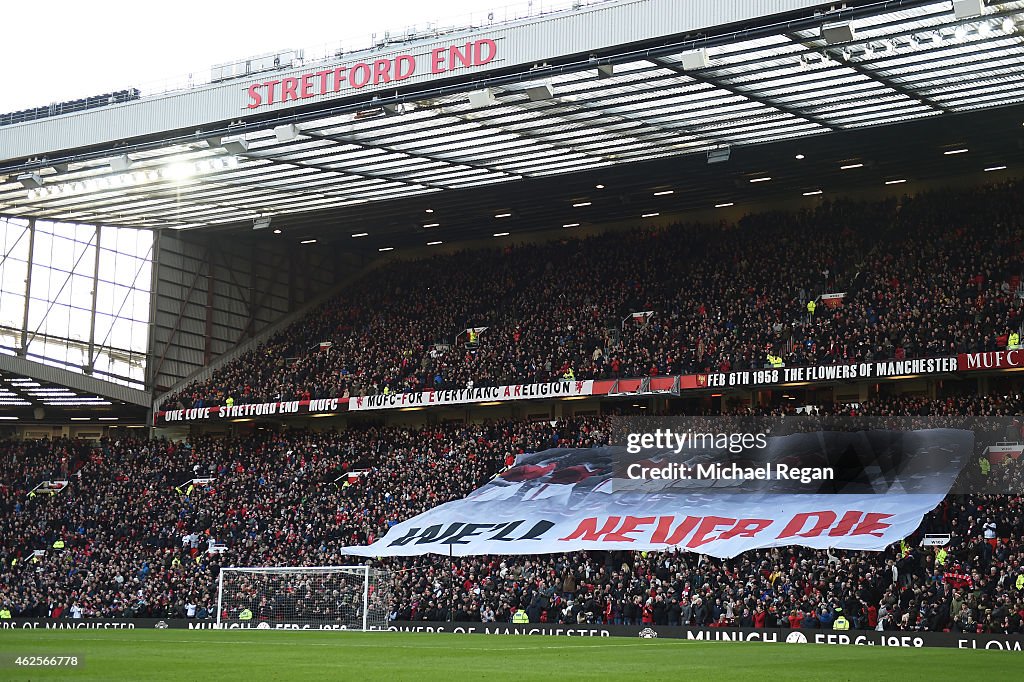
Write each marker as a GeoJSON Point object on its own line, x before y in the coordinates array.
{"type": "Point", "coordinates": [564, 500]}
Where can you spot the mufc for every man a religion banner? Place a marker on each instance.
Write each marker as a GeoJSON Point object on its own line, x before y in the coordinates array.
{"type": "Point", "coordinates": [555, 389]}
{"type": "Point", "coordinates": [567, 499]}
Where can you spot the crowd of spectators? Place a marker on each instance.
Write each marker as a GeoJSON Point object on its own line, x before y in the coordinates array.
{"type": "Point", "coordinates": [923, 276]}
{"type": "Point", "coordinates": [134, 534]}
{"type": "Point", "coordinates": [131, 537]}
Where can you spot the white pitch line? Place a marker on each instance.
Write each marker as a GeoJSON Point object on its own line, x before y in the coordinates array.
{"type": "Point", "coordinates": [392, 646]}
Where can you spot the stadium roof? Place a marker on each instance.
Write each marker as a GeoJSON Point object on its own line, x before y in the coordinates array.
{"type": "Point", "coordinates": [809, 78]}
{"type": "Point", "coordinates": [31, 391]}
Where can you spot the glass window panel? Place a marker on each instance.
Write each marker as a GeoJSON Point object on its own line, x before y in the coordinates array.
{"type": "Point", "coordinates": [62, 293]}
{"type": "Point", "coordinates": [143, 244]}
{"type": "Point", "coordinates": [50, 284]}
{"type": "Point", "coordinates": [119, 365]}
{"type": "Point", "coordinates": [144, 275]}
{"type": "Point", "coordinates": [12, 306]}
{"type": "Point", "coordinates": [55, 321]}
{"type": "Point", "coordinates": [140, 305]}
{"type": "Point", "coordinates": [10, 338]}
{"type": "Point", "coordinates": [78, 324]}
{"type": "Point", "coordinates": [108, 265]}
{"type": "Point", "coordinates": [43, 247]}
{"type": "Point", "coordinates": [122, 300]}
{"type": "Point", "coordinates": [63, 253]}
{"type": "Point", "coordinates": [104, 323]}
{"type": "Point", "coordinates": [14, 241]}
{"type": "Point", "coordinates": [126, 240]}
{"type": "Point", "coordinates": [127, 267]}
{"type": "Point", "coordinates": [53, 352]}
{"type": "Point", "coordinates": [105, 298]}
{"type": "Point", "coordinates": [120, 334]}
{"type": "Point", "coordinates": [14, 236]}
{"type": "Point", "coordinates": [85, 258]}
{"type": "Point", "coordinates": [85, 233]}
{"type": "Point", "coordinates": [40, 311]}
{"type": "Point", "coordinates": [36, 310]}
{"type": "Point", "coordinates": [56, 284]}
{"type": "Point", "coordinates": [140, 338]}
{"type": "Point", "coordinates": [81, 292]}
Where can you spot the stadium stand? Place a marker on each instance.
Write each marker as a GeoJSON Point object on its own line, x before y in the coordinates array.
{"type": "Point", "coordinates": [173, 199]}
{"type": "Point", "coordinates": [927, 275]}
{"type": "Point", "coordinates": [133, 536]}
{"type": "Point", "coordinates": [923, 276]}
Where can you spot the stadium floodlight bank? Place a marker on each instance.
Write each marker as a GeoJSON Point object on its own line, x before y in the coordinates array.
{"type": "Point", "coordinates": [303, 598]}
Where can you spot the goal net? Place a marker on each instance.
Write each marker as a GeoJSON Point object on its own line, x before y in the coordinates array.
{"type": "Point", "coordinates": [323, 597]}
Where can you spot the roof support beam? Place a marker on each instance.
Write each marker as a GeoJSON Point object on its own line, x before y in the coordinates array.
{"type": "Point", "coordinates": [555, 111]}
{"type": "Point", "coordinates": [631, 129]}
{"type": "Point", "coordinates": [91, 358]}
{"type": "Point", "coordinates": [656, 132]}
{"type": "Point", "coordinates": [366, 175]}
{"type": "Point", "coordinates": [23, 350]}
{"type": "Point", "coordinates": [398, 150]}
{"type": "Point", "coordinates": [836, 55]}
{"type": "Point", "coordinates": [154, 279]}
{"type": "Point", "coordinates": [702, 77]}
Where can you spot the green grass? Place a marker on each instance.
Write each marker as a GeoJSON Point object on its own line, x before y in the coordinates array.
{"type": "Point", "coordinates": [257, 655]}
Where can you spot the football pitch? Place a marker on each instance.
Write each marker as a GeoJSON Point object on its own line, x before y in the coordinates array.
{"type": "Point", "coordinates": [281, 655]}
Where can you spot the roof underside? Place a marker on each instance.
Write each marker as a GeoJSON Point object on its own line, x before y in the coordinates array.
{"type": "Point", "coordinates": [31, 392]}
{"type": "Point", "coordinates": [786, 83]}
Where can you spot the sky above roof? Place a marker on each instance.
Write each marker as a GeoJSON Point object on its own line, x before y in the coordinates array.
{"type": "Point", "coordinates": [63, 50]}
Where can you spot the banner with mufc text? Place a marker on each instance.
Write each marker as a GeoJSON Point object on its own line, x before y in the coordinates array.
{"type": "Point", "coordinates": [881, 369]}
{"type": "Point", "coordinates": [565, 500]}
{"type": "Point", "coordinates": [884, 369]}
{"type": "Point", "coordinates": [282, 408]}
{"type": "Point", "coordinates": [554, 389]}
{"type": "Point", "coordinates": [1001, 359]}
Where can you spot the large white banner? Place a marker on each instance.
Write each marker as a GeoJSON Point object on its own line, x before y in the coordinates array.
{"type": "Point", "coordinates": [567, 500]}
{"type": "Point", "coordinates": [554, 389]}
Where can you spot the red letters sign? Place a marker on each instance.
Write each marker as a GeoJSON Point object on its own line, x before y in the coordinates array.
{"type": "Point", "coordinates": [702, 530]}
{"type": "Point", "coordinates": [358, 75]}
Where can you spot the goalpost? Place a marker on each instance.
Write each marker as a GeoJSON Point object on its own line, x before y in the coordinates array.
{"type": "Point", "coordinates": [318, 597]}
